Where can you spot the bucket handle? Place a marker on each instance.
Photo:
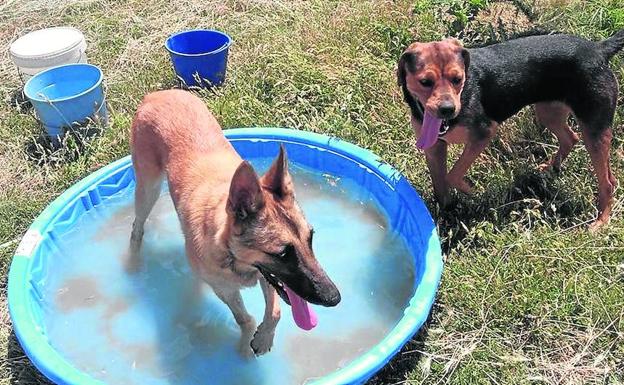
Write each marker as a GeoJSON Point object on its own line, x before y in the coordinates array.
{"type": "Point", "coordinates": [48, 101]}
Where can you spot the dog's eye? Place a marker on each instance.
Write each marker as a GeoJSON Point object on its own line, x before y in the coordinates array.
{"type": "Point", "coordinates": [426, 82]}
{"type": "Point", "coordinates": [283, 253]}
{"type": "Point", "coordinates": [456, 80]}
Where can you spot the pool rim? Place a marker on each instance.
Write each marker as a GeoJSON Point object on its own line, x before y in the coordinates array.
{"type": "Point", "coordinates": [56, 368]}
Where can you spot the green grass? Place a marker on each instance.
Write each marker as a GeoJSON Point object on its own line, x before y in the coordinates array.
{"type": "Point", "coordinates": [528, 296]}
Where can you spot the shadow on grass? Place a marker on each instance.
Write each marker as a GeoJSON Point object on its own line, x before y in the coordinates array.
{"type": "Point", "coordinates": [20, 101]}
{"type": "Point", "coordinates": [23, 372]}
{"type": "Point", "coordinates": [69, 146]}
{"type": "Point", "coordinates": [43, 150]}
{"type": "Point", "coordinates": [531, 193]}
{"type": "Point", "coordinates": [205, 90]}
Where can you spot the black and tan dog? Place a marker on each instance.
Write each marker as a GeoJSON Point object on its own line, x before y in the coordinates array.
{"type": "Point", "coordinates": [459, 95]}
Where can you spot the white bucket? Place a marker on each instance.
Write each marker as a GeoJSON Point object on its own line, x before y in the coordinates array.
{"type": "Point", "coordinates": [45, 48]}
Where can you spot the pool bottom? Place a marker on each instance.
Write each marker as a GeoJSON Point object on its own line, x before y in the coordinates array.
{"type": "Point", "coordinates": [154, 327]}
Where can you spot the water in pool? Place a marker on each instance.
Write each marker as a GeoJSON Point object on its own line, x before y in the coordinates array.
{"type": "Point", "coordinates": [152, 327]}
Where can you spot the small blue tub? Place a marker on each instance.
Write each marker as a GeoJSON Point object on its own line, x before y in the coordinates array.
{"type": "Point", "coordinates": [67, 95]}
{"type": "Point", "coordinates": [199, 56]}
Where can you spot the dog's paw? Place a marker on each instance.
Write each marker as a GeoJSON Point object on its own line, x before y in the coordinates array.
{"type": "Point", "coordinates": [544, 167]}
{"type": "Point", "coordinates": [548, 167]}
{"type": "Point", "coordinates": [245, 350]}
{"type": "Point", "coordinates": [262, 341]}
{"type": "Point", "coordinates": [596, 226]}
{"type": "Point", "coordinates": [247, 333]}
{"type": "Point", "coordinates": [133, 260]}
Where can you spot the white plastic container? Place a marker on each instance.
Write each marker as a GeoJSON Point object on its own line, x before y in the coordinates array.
{"type": "Point", "coordinates": [45, 48]}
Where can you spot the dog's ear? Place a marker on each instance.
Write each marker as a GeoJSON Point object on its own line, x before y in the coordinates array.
{"type": "Point", "coordinates": [407, 62]}
{"type": "Point", "coordinates": [401, 72]}
{"type": "Point", "coordinates": [277, 179]}
{"type": "Point", "coordinates": [245, 198]}
{"type": "Point", "coordinates": [466, 56]}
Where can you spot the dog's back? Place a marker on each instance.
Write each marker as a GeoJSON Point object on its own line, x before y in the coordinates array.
{"type": "Point", "coordinates": [541, 68]}
{"type": "Point", "coordinates": [175, 124]}
{"type": "Point", "coordinates": [174, 133]}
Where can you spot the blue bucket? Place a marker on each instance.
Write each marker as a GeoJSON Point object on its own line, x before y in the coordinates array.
{"type": "Point", "coordinates": [199, 56]}
{"type": "Point", "coordinates": [66, 96]}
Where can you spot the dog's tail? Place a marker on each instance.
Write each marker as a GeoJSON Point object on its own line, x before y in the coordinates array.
{"type": "Point", "coordinates": [612, 45]}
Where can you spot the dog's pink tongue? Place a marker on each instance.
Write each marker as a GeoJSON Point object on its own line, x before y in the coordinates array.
{"type": "Point", "coordinates": [429, 131]}
{"type": "Point", "coordinates": [302, 313]}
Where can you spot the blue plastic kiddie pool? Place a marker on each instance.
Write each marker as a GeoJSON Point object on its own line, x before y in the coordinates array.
{"type": "Point", "coordinates": [81, 320]}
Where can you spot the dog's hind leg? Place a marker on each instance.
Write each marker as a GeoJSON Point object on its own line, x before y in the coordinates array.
{"type": "Point", "coordinates": [595, 109]}
{"type": "Point", "coordinates": [145, 196]}
{"type": "Point", "coordinates": [149, 178]}
{"type": "Point", "coordinates": [232, 298]}
{"type": "Point", "coordinates": [554, 115]}
{"type": "Point", "coordinates": [598, 146]}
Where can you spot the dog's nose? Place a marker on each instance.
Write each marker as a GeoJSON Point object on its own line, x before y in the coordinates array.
{"type": "Point", "coordinates": [446, 110]}
{"type": "Point", "coordinates": [334, 299]}
{"type": "Point", "coordinates": [330, 295]}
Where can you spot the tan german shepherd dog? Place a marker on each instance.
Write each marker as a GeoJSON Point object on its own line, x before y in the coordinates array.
{"type": "Point", "coordinates": [238, 228]}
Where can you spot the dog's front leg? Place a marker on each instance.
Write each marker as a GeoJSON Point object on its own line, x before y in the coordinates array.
{"type": "Point", "coordinates": [473, 148]}
{"type": "Point", "coordinates": [232, 298]}
{"type": "Point", "coordinates": [436, 162]}
{"type": "Point", "coordinates": [263, 339]}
